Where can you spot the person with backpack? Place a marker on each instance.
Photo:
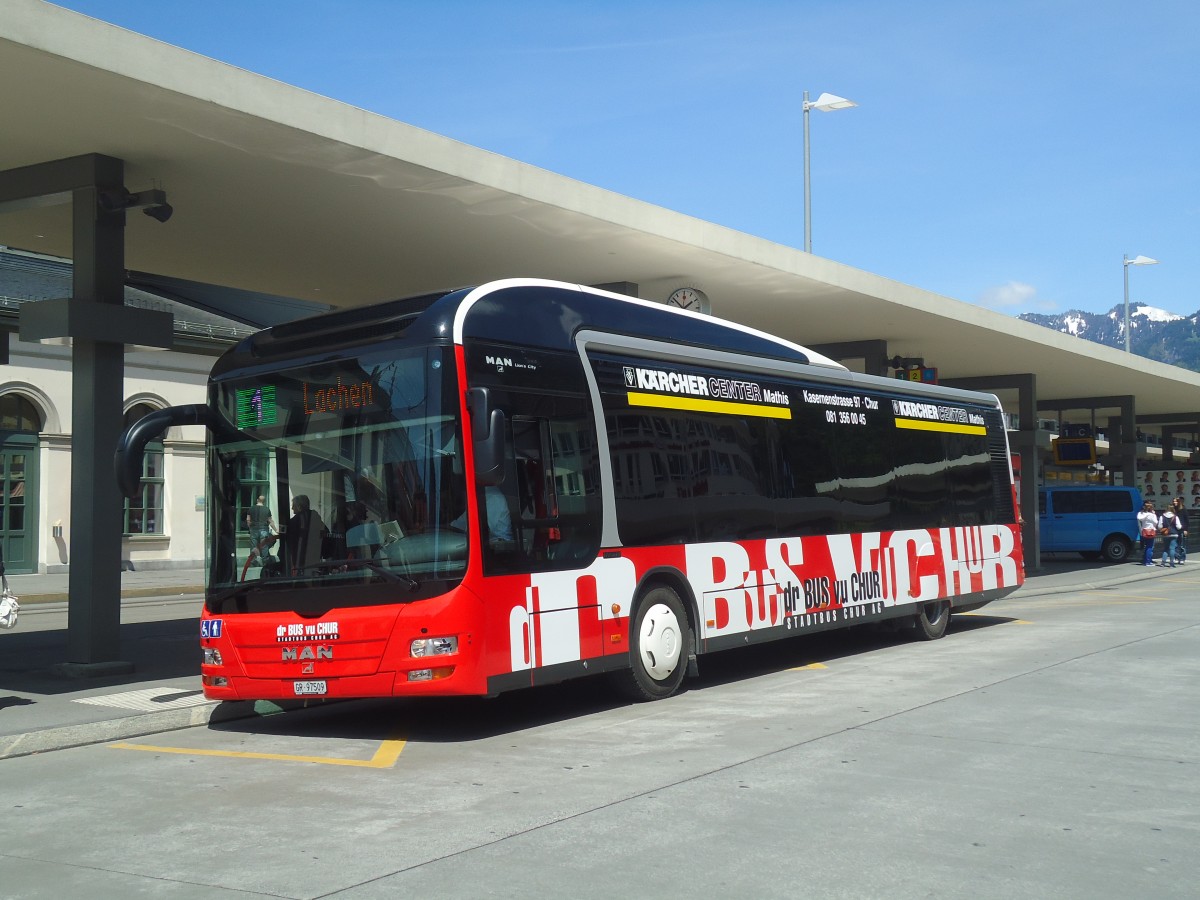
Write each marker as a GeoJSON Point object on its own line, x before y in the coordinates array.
{"type": "Point", "coordinates": [1168, 527]}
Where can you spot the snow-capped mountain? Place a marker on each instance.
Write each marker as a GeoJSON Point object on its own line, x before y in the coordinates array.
{"type": "Point", "coordinates": [1150, 313]}
{"type": "Point", "coordinates": [1154, 333]}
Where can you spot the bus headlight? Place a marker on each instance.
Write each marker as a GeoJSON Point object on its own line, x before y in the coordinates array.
{"type": "Point", "coordinates": [212, 657]}
{"type": "Point", "coordinates": [438, 646]}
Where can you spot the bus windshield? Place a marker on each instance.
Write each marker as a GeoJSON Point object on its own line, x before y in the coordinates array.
{"type": "Point", "coordinates": [338, 474]}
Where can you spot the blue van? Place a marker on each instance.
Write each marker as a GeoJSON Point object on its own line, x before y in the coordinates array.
{"type": "Point", "coordinates": [1099, 522]}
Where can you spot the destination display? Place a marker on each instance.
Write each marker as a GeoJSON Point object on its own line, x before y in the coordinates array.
{"type": "Point", "coordinates": [259, 405]}
{"type": "Point", "coordinates": [256, 406]}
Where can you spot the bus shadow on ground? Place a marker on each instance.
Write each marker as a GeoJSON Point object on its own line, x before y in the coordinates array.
{"type": "Point", "coordinates": [435, 719]}
{"type": "Point", "coordinates": [464, 719]}
{"type": "Point", "coordinates": [744, 663]}
{"type": "Point", "coordinates": [975, 621]}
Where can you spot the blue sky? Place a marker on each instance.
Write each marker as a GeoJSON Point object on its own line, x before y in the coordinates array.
{"type": "Point", "coordinates": [1005, 154]}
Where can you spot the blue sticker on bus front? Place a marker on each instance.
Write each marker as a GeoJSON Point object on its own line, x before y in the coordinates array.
{"type": "Point", "coordinates": [210, 628]}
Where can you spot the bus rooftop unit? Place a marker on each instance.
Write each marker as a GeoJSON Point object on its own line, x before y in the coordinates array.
{"type": "Point", "coordinates": [530, 481]}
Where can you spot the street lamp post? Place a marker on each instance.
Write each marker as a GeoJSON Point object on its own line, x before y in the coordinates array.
{"type": "Point", "coordinates": [825, 103]}
{"type": "Point", "coordinates": [1138, 260]}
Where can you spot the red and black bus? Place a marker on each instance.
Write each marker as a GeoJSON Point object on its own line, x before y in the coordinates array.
{"type": "Point", "coordinates": [530, 481]}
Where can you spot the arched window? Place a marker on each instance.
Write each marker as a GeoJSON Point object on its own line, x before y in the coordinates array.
{"type": "Point", "coordinates": [20, 422]}
{"type": "Point", "coordinates": [144, 513]}
{"type": "Point", "coordinates": [17, 413]}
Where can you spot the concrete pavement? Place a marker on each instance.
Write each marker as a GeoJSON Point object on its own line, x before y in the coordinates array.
{"type": "Point", "coordinates": [43, 707]}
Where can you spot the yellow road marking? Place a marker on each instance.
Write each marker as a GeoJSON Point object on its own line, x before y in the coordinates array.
{"type": "Point", "coordinates": [809, 666]}
{"type": "Point", "coordinates": [385, 757]}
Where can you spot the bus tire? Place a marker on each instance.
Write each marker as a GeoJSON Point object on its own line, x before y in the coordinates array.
{"type": "Point", "coordinates": [659, 642]}
{"type": "Point", "coordinates": [933, 620]}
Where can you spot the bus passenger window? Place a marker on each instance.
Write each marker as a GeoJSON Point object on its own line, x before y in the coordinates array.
{"type": "Point", "coordinates": [537, 501]}
{"type": "Point", "coordinates": [550, 486]}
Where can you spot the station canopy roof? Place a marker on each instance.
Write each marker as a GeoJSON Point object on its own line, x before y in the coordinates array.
{"type": "Point", "coordinates": [282, 192]}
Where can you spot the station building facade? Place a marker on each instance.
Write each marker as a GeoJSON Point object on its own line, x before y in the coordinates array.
{"type": "Point", "coordinates": [164, 526]}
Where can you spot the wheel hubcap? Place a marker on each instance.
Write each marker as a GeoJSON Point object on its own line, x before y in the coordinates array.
{"type": "Point", "coordinates": [659, 643]}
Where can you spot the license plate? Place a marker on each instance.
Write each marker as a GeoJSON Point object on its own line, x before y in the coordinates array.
{"type": "Point", "coordinates": [309, 688]}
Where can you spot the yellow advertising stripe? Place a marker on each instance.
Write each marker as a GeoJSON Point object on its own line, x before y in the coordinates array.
{"type": "Point", "coordinates": [923, 425]}
{"type": "Point", "coordinates": [385, 757]}
{"type": "Point", "coordinates": [728, 407]}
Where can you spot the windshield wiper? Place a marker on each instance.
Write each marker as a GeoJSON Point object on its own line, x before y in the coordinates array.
{"type": "Point", "coordinates": [235, 591]}
{"type": "Point", "coordinates": [375, 566]}
{"type": "Point", "coordinates": [216, 601]}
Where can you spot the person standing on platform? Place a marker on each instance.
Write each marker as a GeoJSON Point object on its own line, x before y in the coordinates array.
{"type": "Point", "coordinates": [1181, 515]}
{"type": "Point", "coordinates": [1147, 523]}
{"type": "Point", "coordinates": [1168, 527]}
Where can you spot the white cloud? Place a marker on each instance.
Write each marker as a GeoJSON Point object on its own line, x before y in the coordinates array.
{"type": "Point", "coordinates": [1005, 296]}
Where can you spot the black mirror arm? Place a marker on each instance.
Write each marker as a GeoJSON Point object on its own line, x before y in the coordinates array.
{"type": "Point", "coordinates": [131, 446]}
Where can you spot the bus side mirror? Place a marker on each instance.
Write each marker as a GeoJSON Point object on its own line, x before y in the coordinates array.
{"type": "Point", "coordinates": [131, 446]}
{"type": "Point", "coordinates": [487, 435]}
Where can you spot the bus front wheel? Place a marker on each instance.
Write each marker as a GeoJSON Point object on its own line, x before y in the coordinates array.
{"type": "Point", "coordinates": [659, 639]}
{"type": "Point", "coordinates": [933, 619]}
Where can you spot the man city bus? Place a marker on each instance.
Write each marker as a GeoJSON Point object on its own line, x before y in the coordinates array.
{"type": "Point", "coordinates": [529, 481]}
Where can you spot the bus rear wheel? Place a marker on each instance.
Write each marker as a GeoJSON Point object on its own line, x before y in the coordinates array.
{"type": "Point", "coordinates": [933, 620]}
{"type": "Point", "coordinates": [659, 639]}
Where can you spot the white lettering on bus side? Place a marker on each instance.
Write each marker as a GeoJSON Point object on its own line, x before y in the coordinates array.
{"type": "Point", "coordinates": [908, 553]}
{"type": "Point", "coordinates": [999, 566]}
{"type": "Point", "coordinates": [520, 656]}
{"type": "Point", "coordinates": [783, 556]}
{"type": "Point", "coordinates": [744, 586]}
{"type": "Point", "coordinates": [712, 386]}
{"type": "Point", "coordinates": [555, 598]}
{"type": "Point", "coordinates": [828, 399]}
{"type": "Point", "coordinates": [672, 382]}
{"type": "Point", "coordinates": [718, 573]}
{"type": "Point", "coordinates": [732, 389]}
{"type": "Point", "coordinates": [980, 555]}
{"type": "Point", "coordinates": [961, 557]}
{"type": "Point", "coordinates": [556, 636]}
{"type": "Point", "coordinates": [847, 562]}
{"type": "Point", "coordinates": [911, 409]}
